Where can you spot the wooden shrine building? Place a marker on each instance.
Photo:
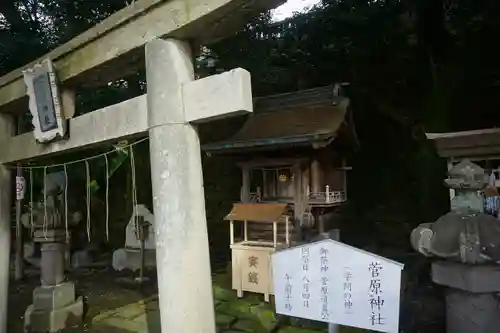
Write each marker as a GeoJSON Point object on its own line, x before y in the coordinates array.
{"type": "Point", "coordinates": [292, 150]}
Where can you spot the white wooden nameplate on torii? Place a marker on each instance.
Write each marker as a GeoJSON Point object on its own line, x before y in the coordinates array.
{"type": "Point", "coordinates": [44, 102]}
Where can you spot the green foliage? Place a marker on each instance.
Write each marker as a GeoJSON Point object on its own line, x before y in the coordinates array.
{"type": "Point", "coordinates": [115, 161]}
{"type": "Point", "coordinates": [29, 28]}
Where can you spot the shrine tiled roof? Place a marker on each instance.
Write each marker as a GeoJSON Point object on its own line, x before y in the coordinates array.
{"type": "Point", "coordinates": [293, 119]}
{"type": "Point", "coordinates": [478, 144]}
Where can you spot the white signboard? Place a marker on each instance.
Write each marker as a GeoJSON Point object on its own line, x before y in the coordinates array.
{"type": "Point", "coordinates": [335, 283]}
{"type": "Point", "coordinates": [44, 102]}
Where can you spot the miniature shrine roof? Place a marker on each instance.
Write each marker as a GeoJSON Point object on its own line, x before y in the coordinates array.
{"type": "Point", "coordinates": [476, 144]}
{"type": "Point", "coordinates": [257, 212]}
{"type": "Point", "coordinates": [292, 119]}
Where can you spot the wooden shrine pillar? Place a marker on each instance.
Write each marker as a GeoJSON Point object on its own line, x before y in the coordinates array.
{"type": "Point", "coordinates": [245, 184]}
{"type": "Point", "coordinates": [298, 198]}
{"type": "Point", "coordinates": [316, 177]}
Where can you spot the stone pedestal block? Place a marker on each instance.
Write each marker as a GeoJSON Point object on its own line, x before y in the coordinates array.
{"type": "Point", "coordinates": [54, 308]}
{"type": "Point", "coordinates": [471, 278]}
{"type": "Point", "coordinates": [131, 259]}
{"type": "Point", "coordinates": [472, 313]}
{"type": "Point", "coordinates": [49, 236]}
{"type": "Point", "coordinates": [53, 297]}
{"type": "Point", "coordinates": [472, 302]}
{"type": "Point", "coordinates": [52, 264]}
{"type": "Point", "coordinates": [55, 320]}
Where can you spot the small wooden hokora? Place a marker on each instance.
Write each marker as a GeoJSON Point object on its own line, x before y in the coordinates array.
{"type": "Point", "coordinates": [292, 150]}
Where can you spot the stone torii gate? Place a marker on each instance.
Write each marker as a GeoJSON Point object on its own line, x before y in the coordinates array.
{"type": "Point", "coordinates": [169, 112]}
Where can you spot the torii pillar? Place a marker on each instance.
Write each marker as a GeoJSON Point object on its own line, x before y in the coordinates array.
{"type": "Point", "coordinates": [175, 104]}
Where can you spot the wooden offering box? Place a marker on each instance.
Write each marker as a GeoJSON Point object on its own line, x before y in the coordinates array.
{"type": "Point", "coordinates": [266, 227]}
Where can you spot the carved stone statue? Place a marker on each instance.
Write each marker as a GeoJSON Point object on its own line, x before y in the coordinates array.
{"type": "Point", "coordinates": [469, 242]}
{"type": "Point", "coordinates": [465, 234]}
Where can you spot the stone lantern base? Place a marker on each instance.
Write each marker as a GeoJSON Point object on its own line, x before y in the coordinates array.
{"type": "Point", "coordinates": [472, 301]}
{"type": "Point", "coordinates": [54, 308]}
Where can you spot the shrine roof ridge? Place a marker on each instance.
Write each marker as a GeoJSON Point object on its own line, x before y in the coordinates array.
{"type": "Point", "coordinates": [320, 96]}
{"type": "Point", "coordinates": [435, 136]}
{"type": "Point", "coordinates": [297, 140]}
{"type": "Point", "coordinates": [473, 144]}
{"type": "Point", "coordinates": [296, 118]}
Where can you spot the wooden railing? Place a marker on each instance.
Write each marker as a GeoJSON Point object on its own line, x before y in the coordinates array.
{"type": "Point", "coordinates": [256, 196]}
{"type": "Point", "coordinates": [328, 196]}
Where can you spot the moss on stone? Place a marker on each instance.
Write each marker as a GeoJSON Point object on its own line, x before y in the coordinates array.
{"type": "Point", "coordinates": [308, 324]}
{"type": "Point", "coordinates": [222, 294]}
{"type": "Point", "coordinates": [266, 316]}
{"type": "Point", "coordinates": [291, 329]}
{"type": "Point", "coordinates": [343, 329]}
{"type": "Point", "coordinates": [249, 309]}
{"type": "Point", "coordinates": [223, 320]}
{"type": "Point", "coordinates": [246, 325]}
{"type": "Point", "coordinates": [235, 309]}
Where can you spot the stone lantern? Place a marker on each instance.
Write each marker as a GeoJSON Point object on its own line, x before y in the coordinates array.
{"type": "Point", "coordinates": [467, 243]}
{"type": "Point", "coordinates": [54, 305]}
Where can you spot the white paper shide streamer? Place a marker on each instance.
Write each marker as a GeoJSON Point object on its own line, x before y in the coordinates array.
{"type": "Point", "coordinates": [66, 203]}
{"type": "Point", "coordinates": [21, 189]}
{"type": "Point", "coordinates": [45, 217]}
{"type": "Point", "coordinates": [87, 171]}
{"type": "Point", "coordinates": [134, 189]}
{"type": "Point", "coordinates": [32, 224]}
{"type": "Point", "coordinates": [107, 197]}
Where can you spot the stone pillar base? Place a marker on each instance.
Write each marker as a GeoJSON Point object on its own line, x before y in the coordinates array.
{"type": "Point", "coordinates": [472, 302]}
{"type": "Point", "coordinates": [54, 308]}
{"type": "Point", "coordinates": [471, 313]}
{"type": "Point", "coordinates": [131, 259]}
